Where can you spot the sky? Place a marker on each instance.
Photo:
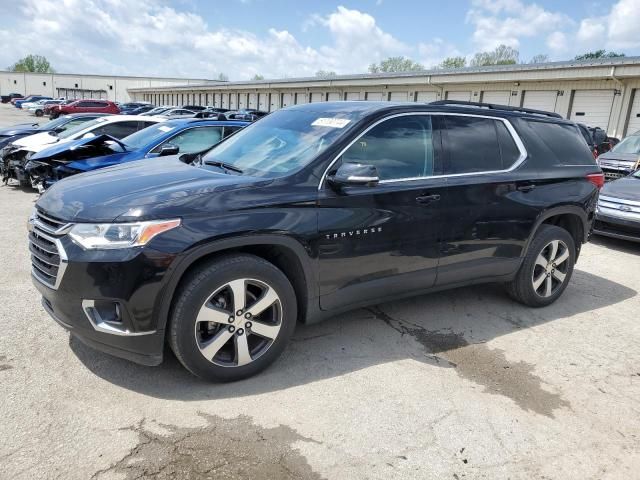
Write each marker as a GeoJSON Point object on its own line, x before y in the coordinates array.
{"type": "Point", "coordinates": [288, 38]}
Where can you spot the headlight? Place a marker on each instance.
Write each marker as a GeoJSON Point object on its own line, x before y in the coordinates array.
{"type": "Point", "coordinates": [92, 236]}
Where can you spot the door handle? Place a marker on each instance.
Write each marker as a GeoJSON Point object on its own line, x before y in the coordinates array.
{"type": "Point", "coordinates": [526, 188]}
{"type": "Point", "coordinates": [425, 199]}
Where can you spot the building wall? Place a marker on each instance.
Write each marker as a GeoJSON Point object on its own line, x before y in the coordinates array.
{"type": "Point", "coordinates": [114, 88]}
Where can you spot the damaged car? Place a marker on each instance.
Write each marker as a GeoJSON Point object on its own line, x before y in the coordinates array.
{"type": "Point", "coordinates": [15, 155]}
{"type": "Point", "coordinates": [86, 154]}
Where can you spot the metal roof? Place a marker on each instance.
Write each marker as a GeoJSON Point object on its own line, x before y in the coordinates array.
{"type": "Point", "coordinates": [436, 72]}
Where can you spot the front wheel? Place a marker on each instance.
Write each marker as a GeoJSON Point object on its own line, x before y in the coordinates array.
{"type": "Point", "coordinates": [546, 269]}
{"type": "Point", "coordinates": [232, 318]}
{"type": "Point", "coordinates": [39, 113]}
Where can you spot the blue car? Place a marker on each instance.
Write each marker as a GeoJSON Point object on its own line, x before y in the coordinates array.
{"type": "Point", "coordinates": [173, 137]}
{"type": "Point", "coordinates": [29, 99]}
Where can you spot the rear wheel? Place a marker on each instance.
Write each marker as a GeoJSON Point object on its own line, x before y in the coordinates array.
{"type": "Point", "coordinates": [546, 269]}
{"type": "Point", "coordinates": [232, 318]}
{"type": "Point", "coordinates": [39, 113]}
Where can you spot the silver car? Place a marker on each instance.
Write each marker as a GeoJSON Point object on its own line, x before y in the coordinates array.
{"type": "Point", "coordinates": [623, 159]}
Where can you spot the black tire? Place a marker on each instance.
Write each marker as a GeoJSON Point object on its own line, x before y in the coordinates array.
{"type": "Point", "coordinates": [198, 288]}
{"type": "Point", "coordinates": [54, 115]}
{"type": "Point", "coordinates": [522, 288]}
{"type": "Point", "coordinates": [39, 113]}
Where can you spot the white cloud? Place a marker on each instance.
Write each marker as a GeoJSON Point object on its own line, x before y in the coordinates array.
{"type": "Point", "coordinates": [508, 21]}
{"type": "Point", "coordinates": [557, 42]}
{"type": "Point", "coordinates": [105, 36]}
{"type": "Point", "coordinates": [623, 24]}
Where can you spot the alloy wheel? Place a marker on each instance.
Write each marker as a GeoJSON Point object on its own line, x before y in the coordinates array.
{"type": "Point", "coordinates": [550, 269]}
{"type": "Point", "coordinates": [238, 323]}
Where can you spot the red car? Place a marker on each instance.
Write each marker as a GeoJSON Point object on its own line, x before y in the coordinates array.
{"type": "Point", "coordinates": [84, 106]}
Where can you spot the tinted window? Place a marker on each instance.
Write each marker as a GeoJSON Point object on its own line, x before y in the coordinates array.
{"type": "Point", "coordinates": [472, 145]}
{"type": "Point", "coordinates": [561, 142]}
{"type": "Point", "coordinates": [118, 130]}
{"type": "Point", "coordinates": [401, 147]}
{"type": "Point", "coordinates": [229, 130]}
{"type": "Point", "coordinates": [508, 149]}
{"type": "Point", "coordinates": [83, 104]}
{"type": "Point", "coordinates": [194, 139]}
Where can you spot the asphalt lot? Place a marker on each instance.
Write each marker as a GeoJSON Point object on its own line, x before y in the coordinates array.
{"type": "Point", "coordinates": [454, 385]}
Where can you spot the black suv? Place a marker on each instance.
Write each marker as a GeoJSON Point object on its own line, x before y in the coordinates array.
{"type": "Point", "coordinates": [313, 210]}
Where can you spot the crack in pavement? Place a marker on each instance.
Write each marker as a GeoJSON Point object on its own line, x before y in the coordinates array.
{"type": "Point", "coordinates": [224, 448]}
{"type": "Point", "coordinates": [482, 365]}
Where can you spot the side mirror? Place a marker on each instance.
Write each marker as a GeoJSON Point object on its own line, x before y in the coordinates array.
{"type": "Point", "coordinates": [355, 174]}
{"type": "Point", "coordinates": [169, 149]}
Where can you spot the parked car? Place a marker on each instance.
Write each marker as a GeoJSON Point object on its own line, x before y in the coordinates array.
{"type": "Point", "coordinates": [11, 96]}
{"type": "Point", "coordinates": [48, 108]}
{"type": "Point", "coordinates": [30, 99]}
{"type": "Point", "coordinates": [17, 153]}
{"type": "Point", "coordinates": [158, 110]}
{"type": "Point", "coordinates": [176, 112]}
{"type": "Point", "coordinates": [127, 108]}
{"type": "Point", "coordinates": [194, 108]}
{"type": "Point", "coordinates": [141, 110]}
{"type": "Point", "coordinates": [84, 106]}
{"type": "Point", "coordinates": [312, 210]}
{"type": "Point", "coordinates": [250, 115]}
{"type": "Point", "coordinates": [618, 213]}
{"type": "Point", "coordinates": [184, 136]}
{"type": "Point", "coordinates": [623, 159]}
{"type": "Point", "coordinates": [39, 107]}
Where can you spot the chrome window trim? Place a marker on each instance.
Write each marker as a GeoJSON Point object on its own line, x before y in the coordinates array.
{"type": "Point", "coordinates": [514, 135]}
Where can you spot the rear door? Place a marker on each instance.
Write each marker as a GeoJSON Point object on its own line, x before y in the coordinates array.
{"type": "Point", "coordinates": [488, 200]}
{"type": "Point", "coordinates": [383, 240]}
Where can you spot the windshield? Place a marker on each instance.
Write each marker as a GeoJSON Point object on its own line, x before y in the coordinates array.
{"type": "Point", "coordinates": [631, 144]}
{"type": "Point", "coordinates": [54, 123]}
{"type": "Point", "coordinates": [80, 127]}
{"type": "Point", "coordinates": [281, 143]}
{"type": "Point", "coordinates": [146, 136]}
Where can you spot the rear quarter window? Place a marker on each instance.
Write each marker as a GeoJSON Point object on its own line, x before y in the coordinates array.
{"type": "Point", "coordinates": [562, 143]}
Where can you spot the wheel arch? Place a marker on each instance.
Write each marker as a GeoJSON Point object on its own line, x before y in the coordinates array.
{"type": "Point", "coordinates": [284, 252]}
{"type": "Point", "coordinates": [570, 217]}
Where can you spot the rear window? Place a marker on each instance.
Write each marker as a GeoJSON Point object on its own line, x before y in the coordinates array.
{"type": "Point", "coordinates": [564, 141]}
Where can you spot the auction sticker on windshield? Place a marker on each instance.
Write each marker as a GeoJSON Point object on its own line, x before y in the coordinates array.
{"type": "Point", "coordinates": [330, 122]}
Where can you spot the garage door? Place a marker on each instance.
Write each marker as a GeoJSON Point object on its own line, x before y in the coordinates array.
{"type": "Point", "coordinates": [500, 97]}
{"type": "Point", "coordinates": [464, 96]}
{"type": "Point", "coordinates": [316, 97]}
{"type": "Point", "coordinates": [540, 100]}
{"type": "Point", "coordinates": [426, 97]}
{"type": "Point", "coordinates": [634, 115]}
{"type": "Point", "coordinates": [353, 96]}
{"type": "Point", "coordinates": [374, 96]}
{"type": "Point", "coordinates": [233, 101]}
{"type": "Point", "coordinates": [398, 96]}
{"type": "Point", "coordinates": [301, 98]}
{"type": "Point", "coordinates": [253, 100]}
{"type": "Point", "coordinates": [225, 100]}
{"type": "Point", "coordinates": [334, 97]}
{"type": "Point", "coordinates": [287, 99]}
{"type": "Point", "coordinates": [263, 102]}
{"type": "Point", "coordinates": [592, 107]}
{"type": "Point", "coordinates": [243, 100]}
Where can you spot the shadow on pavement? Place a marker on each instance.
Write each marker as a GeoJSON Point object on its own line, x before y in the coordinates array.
{"type": "Point", "coordinates": [426, 329]}
{"type": "Point", "coordinates": [616, 244]}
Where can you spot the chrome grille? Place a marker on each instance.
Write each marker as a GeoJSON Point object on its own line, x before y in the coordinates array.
{"type": "Point", "coordinates": [619, 207]}
{"type": "Point", "coordinates": [48, 258]}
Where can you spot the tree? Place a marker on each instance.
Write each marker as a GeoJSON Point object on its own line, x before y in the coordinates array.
{"type": "Point", "coordinates": [257, 76]}
{"type": "Point", "coordinates": [540, 58]}
{"type": "Point", "coordinates": [598, 54]}
{"type": "Point", "coordinates": [396, 64]}
{"type": "Point", "coordinates": [501, 55]}
{"type": "Point", "coordinates": [223, 77]}
{"type": "Point", "coordinates": [32, 63]}
{"type": "Point", "coordinates": [453, 62]}
{"type": "Point", "coordinates": [325, 73]}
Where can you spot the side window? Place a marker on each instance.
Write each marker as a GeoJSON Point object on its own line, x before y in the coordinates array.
{"type": "Point", "coordinates": [120, 129]}
{"type": "Point", "coordinates": [508, 148]}
{"type": "Point", "coordinates": [84, 104]}
{"type": "Point", "coordinates": [472, 145]}
{"type": "Point", "coordinates": [401, 147]}
{"type": "Point", "coordinates": [194, 139]}
{"type": "Point", "coordinates": [229, 130]}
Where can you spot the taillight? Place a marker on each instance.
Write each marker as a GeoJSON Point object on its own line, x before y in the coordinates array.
{"type": "Point", "coordinates": [597, 179]}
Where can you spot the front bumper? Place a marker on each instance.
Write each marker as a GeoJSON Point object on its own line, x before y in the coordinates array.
{"type": "Point", "coordinates": [617, 228]}
{"type": "Point", "coordinates": [109, 300]}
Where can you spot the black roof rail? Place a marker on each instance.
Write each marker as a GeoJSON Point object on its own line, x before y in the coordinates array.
{"type": "Point", "coordinates": [493, 106]}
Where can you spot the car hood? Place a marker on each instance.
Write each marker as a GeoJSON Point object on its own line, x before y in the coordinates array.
{"type": "Point", "coordinates": [18, 130]}
{"type": "Point", "coordinates": [147, 189]}
{"type": "Point", "coordinates": [67, 146]}
{"type": "Point", "coordinates": [627, 188]}
{"type": "Point", "coordinates": [613, 157]}
{"type": "Point", "coordinates": [37, 141]}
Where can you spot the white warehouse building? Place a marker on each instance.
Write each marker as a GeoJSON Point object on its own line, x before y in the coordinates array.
{"type": "Point", "coordinates": [603, 93]}
{"type": "Point", "coordinates": [68, 85]}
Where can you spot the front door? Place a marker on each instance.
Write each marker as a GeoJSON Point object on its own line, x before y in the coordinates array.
{"type": "Point", "coordinates": [383, 240]}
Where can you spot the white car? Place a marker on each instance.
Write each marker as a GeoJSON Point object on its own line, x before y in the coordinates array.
{"type": "Point", "coordinates": [37, 108]}
{"type": "Point", "coordinates": [117, 126]}
{"type": "Point", "coordinates": [26, 106]}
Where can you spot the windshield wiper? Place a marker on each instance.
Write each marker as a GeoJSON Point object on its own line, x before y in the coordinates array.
{"type": "Point", "coordinates": [222, 165]}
